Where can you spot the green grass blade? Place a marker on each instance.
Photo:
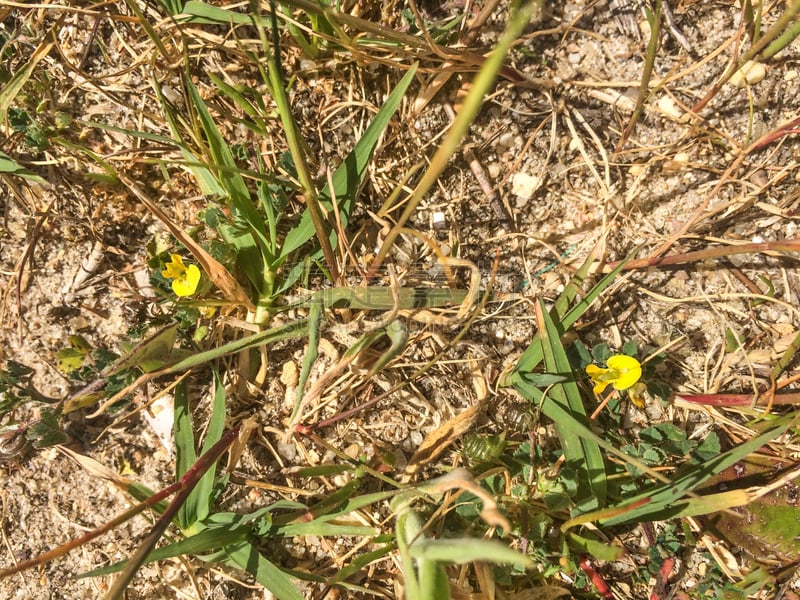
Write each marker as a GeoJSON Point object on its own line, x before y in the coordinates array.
{"type": "Point", "coordinates": [185, 454]}
{"type": "Point", "coordinates": [349, 176]}
{"type": "Point", "coordinates": [198, 503]}
{"type": "Point", "coordinates": [216, 425]}
{"type": "Point", "coordinates": [255, 112]}
{"type": "Point", "coordinates": [786, 38]}
{"type": "Point", "coordinates": [581, 451]}
{"type": "Point", "coordinates": [11, 90]}
{"type": "Point", "coordinates": [322, 528]}
{"type": "Point", "coordinates": [207, 540]}
{"type": "Point", "coordinates": [466, 550]}
{"type": "Point", "coordinates": [289, 331]}
{"type": "Point", "coordinates": [205, 14]}
{"type": "Point", "coordinates": [221, 155]}
{"type": "Point", "coordinates": [236, 191]}
{"type": "Point", "coordinates": [202, 174]}
{"type": "Point", "coordinates": [267, 574]}
{"type": "Point", "coordinates": [10, 166]}
{"type": "Point", "coordinates": [361, 561]}
{"type": "Point", "coordinates": [315, 316]}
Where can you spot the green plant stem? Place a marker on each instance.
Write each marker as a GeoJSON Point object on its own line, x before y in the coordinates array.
{"type": "Point", "coordinates": [647, 71]}
{"type": "Point", "coordinates": [469, 110]}
{"type": "Point", "coordinates": [278, 92]}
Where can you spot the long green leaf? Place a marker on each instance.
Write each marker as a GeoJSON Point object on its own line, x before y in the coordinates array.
{"type": "Point", "coordinates": [203, 13]}
{"type": "Point", "coordinates": [205, 178]}
{"type": "Point", "coordinates": [320, 528]}
{"type": "Point", "coordinates": [462, 551]}
{"type": "Point", "coordinates": [11, 90]}
{"type": "Point", "coordinates": [291, 330]}
{"type": "Point", "coordinates": [581, 451]}
{"type": "Point", "coordinates": [349, 176]}
{"type": "Point", "coordinates": [185, 454]}
{"type": "Point", "coordinates": [207, 540]}
{"type": "Point", "coordinates": [10, 166]}
{"type": "Point", "coordinates": [214, 431]}
{"type": "Point", "coordinates": [267, 574]}
{"type": "Point", "coordinates": [198, 503]}
{"type": "Point", "coordinates": [230, 178]}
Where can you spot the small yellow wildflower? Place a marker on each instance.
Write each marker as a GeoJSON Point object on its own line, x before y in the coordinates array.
{"type": "Point", "coordinates": [184, 279]}
{"type": "Point", "coordinates": [623, 371]}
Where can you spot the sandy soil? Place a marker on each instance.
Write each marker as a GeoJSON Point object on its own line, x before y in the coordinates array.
{"type": "Point", "coordinates": [548, 153]}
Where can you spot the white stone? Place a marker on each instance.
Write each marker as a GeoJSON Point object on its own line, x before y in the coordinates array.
{"type": "Point", "coordinates": [524, 185]}
{"type": "Point", "coordinates": [750, 74]}
{"type": "Point", "coordinates": [668, 108]}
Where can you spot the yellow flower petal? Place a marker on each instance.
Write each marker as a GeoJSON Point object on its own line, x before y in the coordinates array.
{"type": "Point", "coordinates": [628, 370]}
{"type": "Point", "coordinates": [175, 268]}
{"type": "Point", "coordinates": [623, 371]}
{"type": "Point", "coordinates": [594, 371]}
{"type": "Point", "coordinates": [186, 285]}
{"type": "Point", "coordinates": [600, 387]}
{"type": "Point", "coordinates": [600, 377]}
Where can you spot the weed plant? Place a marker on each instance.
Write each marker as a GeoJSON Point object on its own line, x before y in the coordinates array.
{"type": "Point", "coordinates": [529, 504]}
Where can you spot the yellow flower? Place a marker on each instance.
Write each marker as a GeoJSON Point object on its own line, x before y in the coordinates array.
{"type": "Point", "coordinates": [184, 279]}
{"type": "Point", "coordinates": [623, 371]}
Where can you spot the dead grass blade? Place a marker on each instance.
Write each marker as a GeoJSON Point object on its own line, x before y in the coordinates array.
{"type": "Point", "coordinates": [438, 440]}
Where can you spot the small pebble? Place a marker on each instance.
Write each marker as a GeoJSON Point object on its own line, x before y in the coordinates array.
{"type": "Point", "coordinates": [750, 74]}
{"type": "Point", "coordinates": [506, 139]}
{"type": "Point", "coordinates": [289, 374]}
{"type": "Point", "coordinates": [524, 186]}
{"type": "Point", "coordinates": [307, 65]}
{"type": "Point", "coordinates": [668, 108]}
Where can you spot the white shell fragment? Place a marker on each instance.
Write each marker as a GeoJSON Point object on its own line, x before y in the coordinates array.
{"type": "Point", "coordinates": [669, 109]}
{"type": "Point", "coordinates": [160, 415]}
{"type": "Point", "coordinates": [750, 74]}
{"type": "Point", "coordinates": [524, 186]}
{"type": "Point", "coordinates": [439, 220]}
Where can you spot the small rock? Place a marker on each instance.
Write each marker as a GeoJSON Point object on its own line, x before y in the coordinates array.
{"type": "Point", "coordinates": [750, 74]}
{"type": "Point", "coordinates": [669, 109]}
{"type": "Point", "coordinates": [289, 374]}
{"type": "Point", "coordinates": [524, 186]}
